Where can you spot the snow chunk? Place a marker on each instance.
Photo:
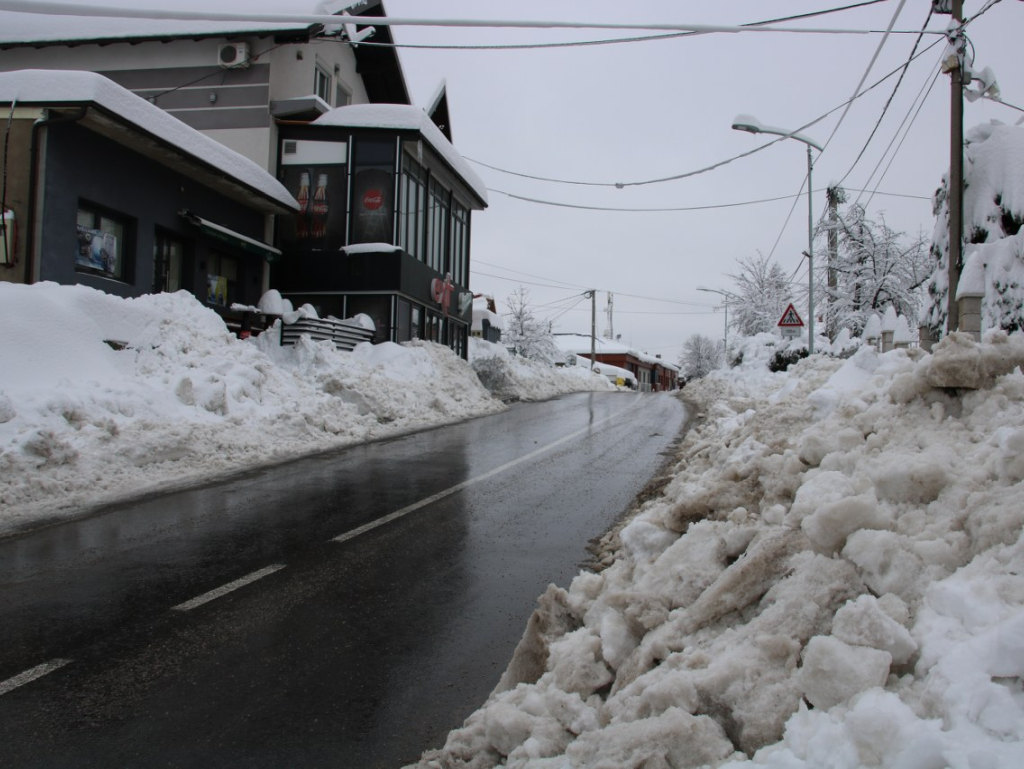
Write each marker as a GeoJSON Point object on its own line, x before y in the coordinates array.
{"type": "Point", "coordinates": [830, 524]}
{"type": "Point", "coordinates": [863, 622]}
{"type": "Point", "coordinates": [673, 739]}
{"type": "Point", "coordinates": [834, 671]}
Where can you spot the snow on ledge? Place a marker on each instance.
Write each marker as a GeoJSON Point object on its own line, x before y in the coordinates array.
{"type": "Point", "coordinates": [54, 87]}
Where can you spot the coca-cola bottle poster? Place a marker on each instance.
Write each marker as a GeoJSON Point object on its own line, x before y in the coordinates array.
{"type": "Point", "coordinates": [372, 206]}
{"type": "Point", "coordinates": [319, 224]}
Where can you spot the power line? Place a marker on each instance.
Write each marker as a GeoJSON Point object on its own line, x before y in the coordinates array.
{"type": "Point", "coordinates": [906, 133]}
{"type": "Point", "coordinates": [617, 209]}
{"type": "Point", "coordinates": [867, 71]}
{"type": "Point", "coordinates": [888, 102]}
{"type": "Point", "coordinates": [43, 7]}
{"type": "Point", "coordinates": [712, 167]}
{"type": "Point", "coordinates": [612, 41]}
{"type": "Point", "coordinates": [528, 274]}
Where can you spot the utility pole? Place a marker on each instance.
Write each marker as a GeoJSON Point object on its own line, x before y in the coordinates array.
{"type": "Point", "coordinates": [954, 66]}
{"type": "Point", "coordinates": [835, 196]}
{"type": "Point", "coordinates": [593, 326]}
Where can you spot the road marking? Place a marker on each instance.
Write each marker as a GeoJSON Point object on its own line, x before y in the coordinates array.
{"type": "Point", "coordinates": [228, 588]}
{"type": "Point", "coordinates": [360, 530]}
{"type": "Point", "coordinates": [31, 675]}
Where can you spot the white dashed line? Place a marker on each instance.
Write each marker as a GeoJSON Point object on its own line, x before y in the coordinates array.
{"type": "Point", "coordinates": [360, 530]}
{"type": "Point", "coordinates": [229, 587]}
{"type": "Point", "coordinates": [31, 675]}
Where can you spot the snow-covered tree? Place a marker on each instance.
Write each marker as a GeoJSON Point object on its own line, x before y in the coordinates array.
{"type": "Point", "coordinates": [700, 356]}
{"type": "Point", "coordinates": [524, 334]}
{"type": "Point", "coordinates": [993, 240]}
{"type": "Point", "coordinates": [875, 267]}
{"type": "Point", "coordinates": [762, 294]}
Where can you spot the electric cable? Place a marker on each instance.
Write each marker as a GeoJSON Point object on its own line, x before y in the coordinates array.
{"type": "Point", "coordinates": [888, 102]}
{"type": "Point", "coordinates": [611, 41]}
{"type": "Point", "coordinates": [706, 169]}
{"type": "Point", "coordinates": [906, 133]}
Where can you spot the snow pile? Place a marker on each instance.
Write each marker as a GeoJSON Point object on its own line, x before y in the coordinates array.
{"type": "Point", "coordinates": [513, 377]}
{"type": "Point", "coordinates": [103, 398]}
{"type": "Point", "coordinates": [834, 577]}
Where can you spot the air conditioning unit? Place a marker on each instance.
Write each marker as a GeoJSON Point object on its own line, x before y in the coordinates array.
{"type": "Point", "coordinates": [233, 55]}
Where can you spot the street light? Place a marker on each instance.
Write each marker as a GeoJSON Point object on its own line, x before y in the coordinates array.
{"type": "Point", "coordinates": [752, 125]}
{"type": "Point", "coordinates": [725, 304]}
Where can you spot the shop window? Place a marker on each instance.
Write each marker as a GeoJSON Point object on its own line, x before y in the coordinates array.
{"type": "Point", "coordinates": [168, 264]}
{"type": "Point", "coordinates": [413, 208]}
{"type": "Point", "coordinates": [373, 199]}
{"type": "Point", "coordinates": [416, 323]}
{"type": "Point", "coordinates": [221, 279]}
{"type": "Point", "coordinates": [460, 243]}
{"type": "Point", "coordinates": [378, 307]}
{"type": "Point", "coordinates": [439, 206]}
{"type": "Point", "coordinates": [102, 243]}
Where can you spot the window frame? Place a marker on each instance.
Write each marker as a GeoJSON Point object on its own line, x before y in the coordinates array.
{"type": "Point", "coordinates": [322, 75]}
{"type": "Point", "coordinates": [125, 240]}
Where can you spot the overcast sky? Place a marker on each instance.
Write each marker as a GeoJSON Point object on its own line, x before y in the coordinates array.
{"type": "Point", "coordinates": [638, 111]}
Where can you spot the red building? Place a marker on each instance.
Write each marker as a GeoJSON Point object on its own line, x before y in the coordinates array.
{"type": "Point", "coordinates": [652, 373]}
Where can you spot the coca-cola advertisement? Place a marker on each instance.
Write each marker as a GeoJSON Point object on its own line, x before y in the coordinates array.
{"type": "Point", "coordinates": [319, 224]}
{"type": "Point", "coordinates": [372, 206]}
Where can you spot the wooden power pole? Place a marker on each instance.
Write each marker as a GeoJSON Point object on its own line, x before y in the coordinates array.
{"type": "Point", "coordinates": [954, 65]}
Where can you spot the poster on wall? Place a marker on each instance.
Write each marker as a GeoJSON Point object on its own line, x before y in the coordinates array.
{"type": "Point", "coordinates": [319, 224]}
{"type": "Point", "coordinates": [97, 251]}
{"type": "Point", "coordinates": [372, 206]}
{"type": "Point", "coordinates": [217, 290]}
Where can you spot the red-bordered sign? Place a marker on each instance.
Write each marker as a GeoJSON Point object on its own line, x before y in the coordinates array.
{"type": "Point", "coordinates": [790, 318]}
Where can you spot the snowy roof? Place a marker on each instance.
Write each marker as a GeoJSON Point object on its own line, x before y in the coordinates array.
{"type": "Point", "coordinates": [62, 88]}
{"type": "Point", "coordinates": [580, 344]}
{"type": "Point", "coordinates": [405, 117]}
{"type": "Point", "coordinates": [41, 29]}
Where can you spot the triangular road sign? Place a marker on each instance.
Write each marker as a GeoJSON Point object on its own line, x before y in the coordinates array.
{"type": "Point", "coordinates": [790, 318]}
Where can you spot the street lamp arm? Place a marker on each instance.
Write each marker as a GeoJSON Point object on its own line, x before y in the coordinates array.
{"type": "Point", "coordinates": [752, 125]}
{"type": "Point", "coordinates": [725, 294]}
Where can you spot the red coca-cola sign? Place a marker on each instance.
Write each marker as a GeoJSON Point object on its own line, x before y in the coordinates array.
{"type": "Point", "coordinates": [373, 199]}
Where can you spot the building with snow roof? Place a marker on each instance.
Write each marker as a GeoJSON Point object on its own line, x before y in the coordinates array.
{"type": "Point", "coordinates": [650, 371]}
{"type": "Point", "coordinates": [384, 225]}
{"type": "Point", "coordinates": [331, 117]}
{"type": "Point", "coordinates": [102, 188]}
{"type": "Point", "coordinates": [233, 80]}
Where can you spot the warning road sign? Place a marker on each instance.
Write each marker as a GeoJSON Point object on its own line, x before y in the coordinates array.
{"type": "Point", "coordinates": [790, 319]}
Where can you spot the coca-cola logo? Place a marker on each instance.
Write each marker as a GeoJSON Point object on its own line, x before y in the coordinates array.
{"type": "Point", "coordinates": [373, 199]}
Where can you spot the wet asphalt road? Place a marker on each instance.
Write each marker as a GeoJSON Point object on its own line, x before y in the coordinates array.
{"type": "Point", "coordinates": [356, 643]}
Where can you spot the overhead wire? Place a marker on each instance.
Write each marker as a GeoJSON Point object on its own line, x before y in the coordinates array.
{"type": "Point", "coordinates": [610, 41]}
{"type": "Point", "coordinates": [714, 166]}
{"type": "Point", "coordinates": [888, 102]}
{"type": "Point", "coordinates": [920, 105]}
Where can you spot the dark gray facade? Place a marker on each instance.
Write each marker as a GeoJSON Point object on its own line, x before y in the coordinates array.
{"type": "Point", "coordinates": [83, 169]}
{"type": "Point", "coordinates": [383, 229]}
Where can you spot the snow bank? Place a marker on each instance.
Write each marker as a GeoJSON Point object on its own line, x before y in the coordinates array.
{"type": "Point", "coordinates": [103, 398]}
{"type": "Point", "coordinates": [512, 377]}
{"type": "Point", "coordinates": [834, 577]}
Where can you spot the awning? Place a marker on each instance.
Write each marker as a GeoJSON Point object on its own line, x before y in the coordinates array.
{"type": "Point", "coordinates": [227, 235]}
